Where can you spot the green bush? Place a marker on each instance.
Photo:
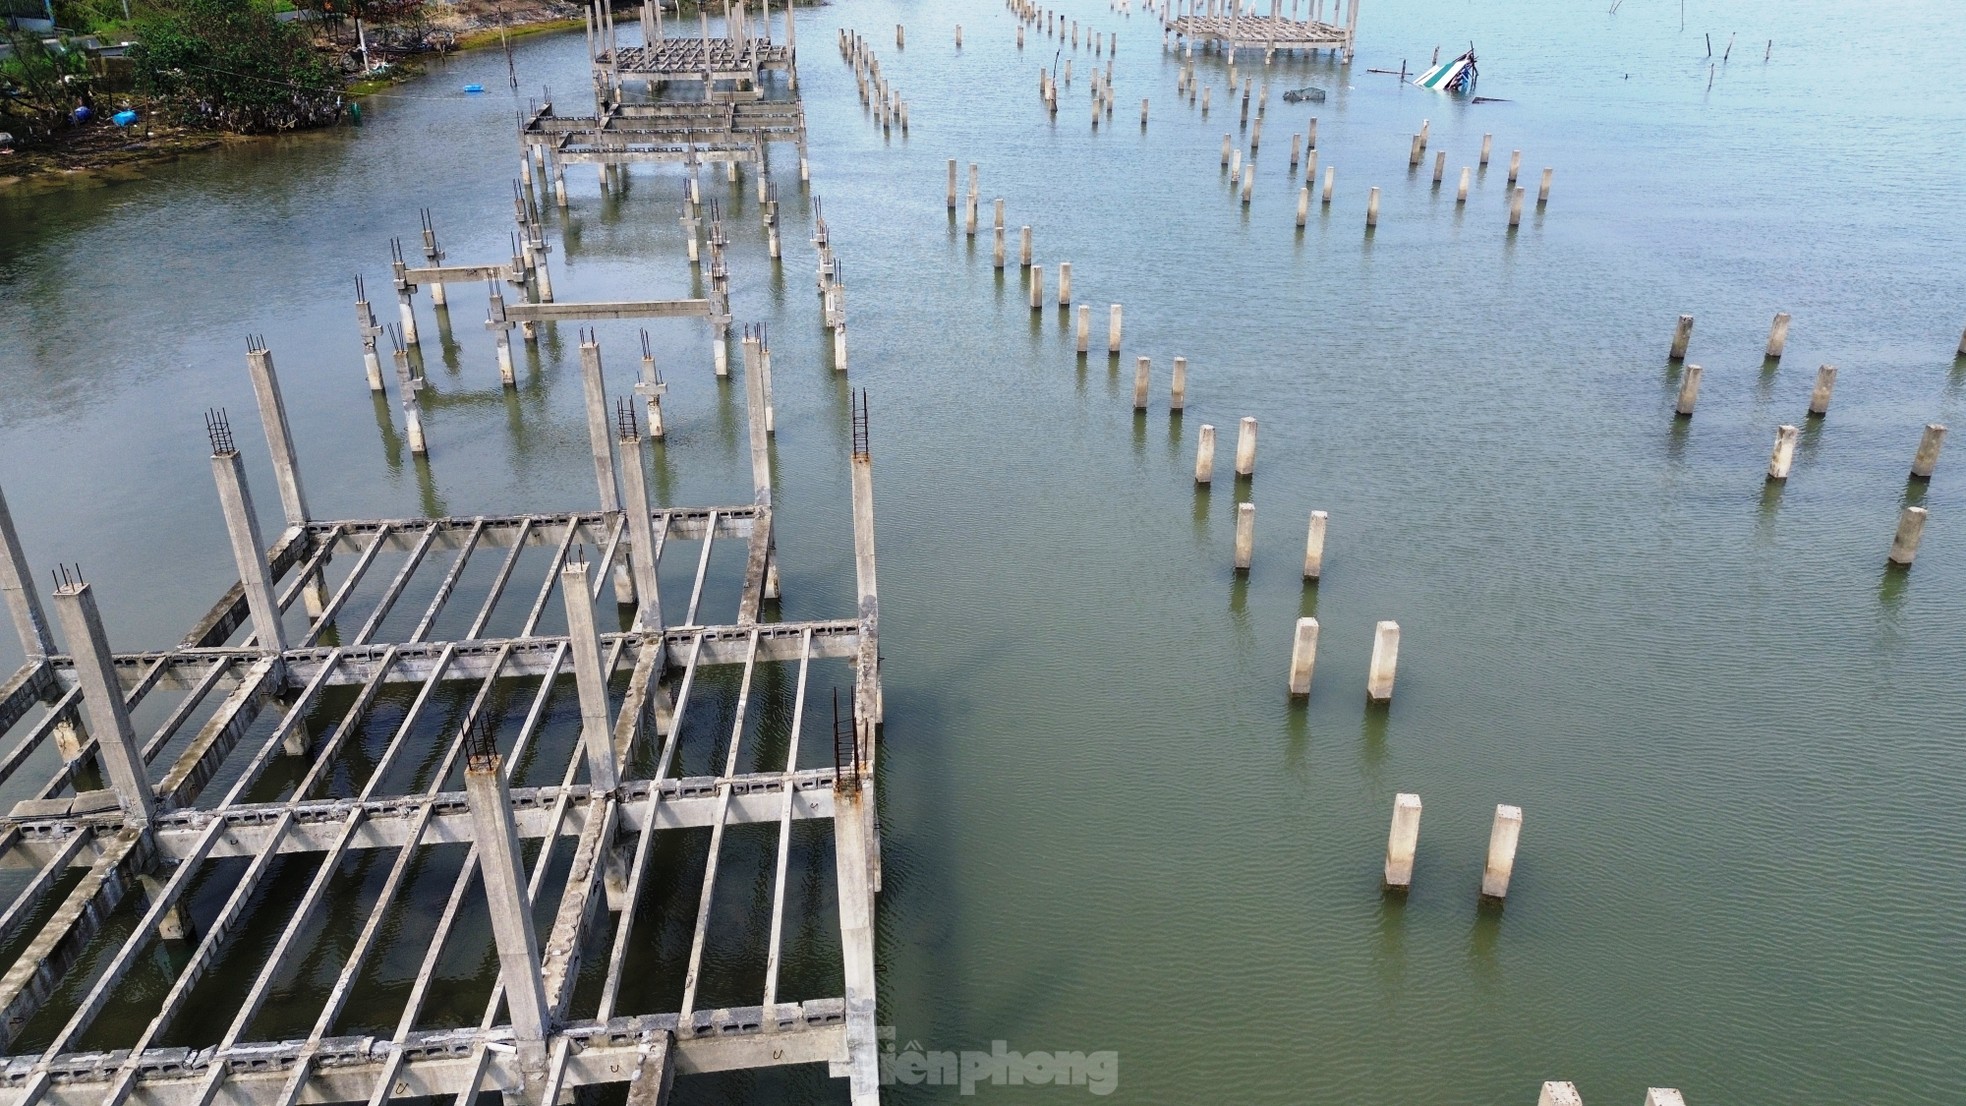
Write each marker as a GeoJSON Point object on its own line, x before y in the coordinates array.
{"type": "Point", "coordinates": [35, 99]}
{"type": "Point", "coordinates": [230, 64]}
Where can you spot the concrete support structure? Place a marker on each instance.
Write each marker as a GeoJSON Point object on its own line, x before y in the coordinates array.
{"type": "Point", "coordinates": [1923, 463]}
{"type": "Point", "coordinates": [1403, 841]}
{"type": "Point", "coordinates": [1385, 662]}
{"type": "Point", "coordinates": [1177, 388]}
{"type": "Point", "coordinates": [1559, 1094]}
{"type": "Point", "coordinates": [1778, 336]}
{"type": "Point", "coordinates": [248, 547]}
{"type": "Point", "coordinates": [1205, 455]}
{"type": "Point", "coordinates": [279, 437]}
{"type": "Point", "coordinates": [594, 390]}
{"type": "Point", "coordinates": [1084, 335]}
{"type": "Point", "coordinates": [1246, 447]}
{"type": "Point", "coordinates": [1113, 330]}
{"type": "Point", "coordinates": [1825, 386]}
{"type": "Point", "coordinates": [1784, 454]}
{"type": "Point", "coordinates": [1245, 535]}
{"type": "Point", "coordinates": [1682, 334]}
{"type": "Point", "coordinates": [1502, 838]}
{"type": "Point", "coordinates": [1064, 284]}
{"type": "Point", "coordinates": [1911, 528]}
{"type": "Point", "coordinates": [502, 867]}
{"type": "Point", "coordinates": [1314, 547]}
{"type": "Point", "coordinates": [590, 679]}
{"type": "Point", "coordinates": [643, 546]}
{"type": "Point", "coordinates": [1689, 391]}
{"type": "Point", "coordinates": [17, 583]}
{"type": "Point", "coordinates": [102, 702]}
{"type": "Point", "coordinates": [1303, 656]}
{"type": "Point", "coordinates": [1142, 376]}
{"type": "Point", "coordinates": [1663, 1096]}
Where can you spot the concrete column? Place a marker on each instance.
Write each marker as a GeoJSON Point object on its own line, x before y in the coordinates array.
{"type": "Point", "coordinates": [1515, 208]}
{"type": "Point", "coordinates": [1248, 182]}
{"type": "Point", "coordinates": [1142, 374]}
{"type": "Point", "coordinates": [1330, 183]}
{"type": "Point", "coordinates": [1037, 287]}
{"type": "Point", "coordinates": [1246, 448]}
{"type": "Point", "coordinates": [1303, 656]}
{"type": "Point", "coordinates": [102, 699]}
{"type": "Point", "coordinates": [1689, 391]}
{"type": "Point", "coordinates": [1461, 193]}
{"type": "Point", "coordinates": [1663, 1096]}
{"type": "Point", "coordinates": [1440, 167]}
{"type": "Point", "coordinates": [1502, 839]}
{"type": "Point", "coordinates": [406, 306]}
{"type": "Point", "coordinates": [279, 438]}
{"type": "Point", "coordinates": [596, 727]}
{"type": "Point", "coordinates": [1681, 335]}
{"type": "Point", "coordinates": [1314, 547]}
{"type": "Point", "coordinates": [1024, 248]}
{"type": "Point", "coordinates": [1559, 1094]}
{"type": "Point", "coordinates": [1515, 165]}
{"type": "Point", "coordinates": [501, 864]}
{"type": "Point", "coordinates": [952, 184]}
{"type": "Point", "coordinates": [408, 385]}
{"type": "Point", "coordinates": [249, 550]}
{"type": "Point", "coordinates": [1543, 190]}
{"type": "Point", "coordinates": [1245, 535]}
{"type": "Point", "coordinates": [1177, 389]}
{"type": "Point", "coordinates": [1385, 662]}
{"type": "Point", "coordinates": [1402, 841]}
{"type": "Point", "coordinates": [997, 253]}
{"type": "Point", "coordinates": [1911, 527]}
{"type": "Point", "coordinates": [1413, 154]}
{"type": "Point", "coordinates": [1487, 147]}
{"type": "Point", "coordinates": [755, 420]}
{"type": "Point", "coordinates": [1064, 283]}
{"type": "Point", "coordinates": [23, 602]}
{"type": "Point", "coordinates": [1205, 455]}
{"type": "Point", "coordinates": [1372, 208]}
{"type": "Point", "coordinates": [863, 547]}
{"type": "Point", "coordinates": [599, 440]}
{"type": "Point", "coordinates": [1784, 455]}
{"type": "Point", "coordinates": [641, 534]}
{"type": "Point", "coordinates": [1113, 330]}
{"type": "Point", "coordinates": [1085, 328]}
{"type": "Point", "coordinates": [1819, 398]}
{"type": "Point", "coordinates": [1922, 462]}
{"type": "Point", "coordinates": [175, 924]}
{"type": "Point", "coordinates": [1303, 205]}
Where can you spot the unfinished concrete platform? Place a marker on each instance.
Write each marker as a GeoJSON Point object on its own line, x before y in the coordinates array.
{"type": "Point", "coordinates": [319, 726]}
{"type": "Point", "coordinates": [1231, 26]}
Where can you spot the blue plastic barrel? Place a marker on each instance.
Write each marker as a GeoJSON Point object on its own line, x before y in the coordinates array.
{"type": "Point", "coordinates": [123, 118]}
{"type": "Point", "coordinates": [474, 88]}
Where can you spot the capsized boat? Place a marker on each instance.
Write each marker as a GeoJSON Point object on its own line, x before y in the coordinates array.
{"type": "Point", "coordinates": [1457, 75]}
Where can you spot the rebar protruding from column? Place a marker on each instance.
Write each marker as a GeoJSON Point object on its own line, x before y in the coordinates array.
{"type": "Point", "coordinates": [365, 323]}
{"type": "Point", "coordinates": [23, 602]}
{"type": "Point", "coordinates": [242, 526]}
{"type": "Point", "coordinates": [408, 384]}
{"type": "Point", "coordinates": [279, 437]}
{"type": "Point", "coordinates": [102, 697]}
{"type": "Point", "coordinates": [651, 388]}
{"type": "Point", "coordinates": [1403, 841]}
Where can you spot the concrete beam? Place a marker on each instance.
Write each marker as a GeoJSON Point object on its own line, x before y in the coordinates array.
{"type": "Point", "coordinates": [17, 585]}
{"type": "Point", "coordinates": [623, 309]}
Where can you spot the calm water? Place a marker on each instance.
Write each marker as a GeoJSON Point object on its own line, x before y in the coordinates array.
{"type": "Point", "coordinates": [1733, 732]}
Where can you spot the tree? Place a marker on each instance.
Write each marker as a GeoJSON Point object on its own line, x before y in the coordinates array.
{"type": "Point", "coordinates": [36, 95]}
{"type": "Point", "coordinates": [230, 64]}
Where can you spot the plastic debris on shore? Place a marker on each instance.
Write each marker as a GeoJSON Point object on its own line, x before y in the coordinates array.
{"type": "Point", "coordinates": [1457, 75]}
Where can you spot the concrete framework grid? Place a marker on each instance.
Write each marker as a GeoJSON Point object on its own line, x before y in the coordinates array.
{"type": "Point", "coordinates": [149, 821]}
